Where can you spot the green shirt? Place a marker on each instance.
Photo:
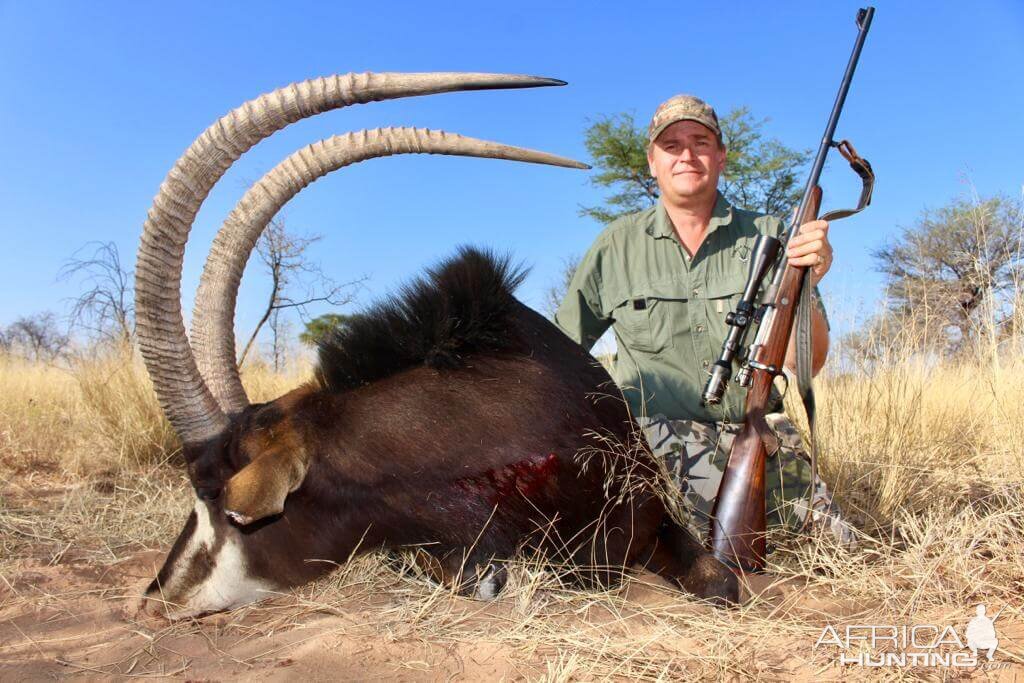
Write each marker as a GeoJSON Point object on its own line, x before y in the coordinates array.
{"type": "Point", "coordinates": [667, 309]}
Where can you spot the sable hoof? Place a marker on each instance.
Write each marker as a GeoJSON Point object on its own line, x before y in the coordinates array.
{"type": "Point", "coordinates": [490, 583]}
{"type": "Point", "coordinates": [712, 581]}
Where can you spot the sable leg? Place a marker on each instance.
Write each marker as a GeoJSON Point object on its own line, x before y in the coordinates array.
{"type": "Point", "coordinates": [474, 575]}
{"type": "Point", "coordinates": [677, 556]}
{"type": "Point", "coordinates": [617, 541]}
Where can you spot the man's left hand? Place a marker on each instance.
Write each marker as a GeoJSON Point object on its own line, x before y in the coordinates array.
{"type": "Point", "coordinates": [810, 248]}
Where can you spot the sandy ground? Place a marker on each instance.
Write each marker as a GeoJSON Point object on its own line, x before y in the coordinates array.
{"type": "Point", "coordinates": [81, 629]}
{"type": "Point", "coordinates": [71, 615]}
{"type": "Point", "coordinates": [76, 618]}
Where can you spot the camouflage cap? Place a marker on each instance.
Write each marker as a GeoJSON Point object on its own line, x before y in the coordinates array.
{"type": "Point", "coordinates": [683, 108]}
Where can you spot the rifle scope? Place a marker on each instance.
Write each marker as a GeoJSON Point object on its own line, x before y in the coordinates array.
{"type": "Point", "coordinates": [764, 256]}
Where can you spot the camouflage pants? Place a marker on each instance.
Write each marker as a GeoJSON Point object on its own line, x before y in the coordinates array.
{"type": "Point", "coordinates": [696, 452]}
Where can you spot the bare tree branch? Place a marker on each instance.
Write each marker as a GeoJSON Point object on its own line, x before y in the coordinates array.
{"type": "Point", "coordinates": [36, 337]}
{"type": "Point", "coordinates": [106, 308]}
{"type": "Point", "coordinates": [284, 256]}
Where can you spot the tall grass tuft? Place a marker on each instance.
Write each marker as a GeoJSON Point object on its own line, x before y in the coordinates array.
{"type": "Point", "coordinates": [40, 416]}
{"type": "Point", "coordinates": [126, 423]}
{"type": "Point", "coordinates": [99, 411]}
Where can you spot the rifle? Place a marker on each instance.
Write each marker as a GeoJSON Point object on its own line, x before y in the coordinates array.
{"type": "Point", "coordinates": [738, 518]}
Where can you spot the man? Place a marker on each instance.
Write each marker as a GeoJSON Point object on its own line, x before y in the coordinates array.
{"type": "Point", "coordinates": [664, 279]}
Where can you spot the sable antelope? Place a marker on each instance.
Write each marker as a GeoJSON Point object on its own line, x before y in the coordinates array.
{"type": "Point", "coordinates": [451, 417]}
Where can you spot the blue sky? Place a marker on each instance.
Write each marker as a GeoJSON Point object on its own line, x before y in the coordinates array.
{"type": "Point", "coordinates": [103, 97]}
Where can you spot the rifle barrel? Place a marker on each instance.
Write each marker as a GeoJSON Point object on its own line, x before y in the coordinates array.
{"type": "Point", "coordinates": [864, 17]}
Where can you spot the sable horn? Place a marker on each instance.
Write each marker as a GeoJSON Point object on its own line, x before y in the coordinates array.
{"type": "Point", "coordinates": [183, 395]}
{"type": "Point", "coordinates": [213, 338]}
{"type": "Point", "coordinates": [213, 316]}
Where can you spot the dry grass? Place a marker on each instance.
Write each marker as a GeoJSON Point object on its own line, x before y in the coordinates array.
{"type": "Point", "coordinates": [90, 437]}
{"type": "Point", "coordinates": [98, 413]}
{"type": "Point", "coordinates": [927, 458]}
{"type": "Point", "coordinates": [911, 438]}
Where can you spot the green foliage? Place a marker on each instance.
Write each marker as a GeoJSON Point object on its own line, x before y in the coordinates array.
{"type": "Point", "coordinates": [761, 174]}
{"type": "Point", "coordinates": [321, 325]}
{"type": "Point", "coordinates": [619, 152]}
{"type": "Point", "coordinates": [954, 276]}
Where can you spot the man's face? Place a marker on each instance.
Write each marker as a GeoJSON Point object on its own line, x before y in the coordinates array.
{"type": "Point", "coordinates": [686, 160]}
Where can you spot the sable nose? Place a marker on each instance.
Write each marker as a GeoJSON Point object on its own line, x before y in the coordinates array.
{"type": "Point", "coordinates": [208, 493]}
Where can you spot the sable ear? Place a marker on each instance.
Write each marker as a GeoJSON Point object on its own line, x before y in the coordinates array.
{"type": "Point", "coordinates": [259, 489]}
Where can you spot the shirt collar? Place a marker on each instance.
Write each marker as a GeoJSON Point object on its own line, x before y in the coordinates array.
{"type": "Point", "coordinates": [720, 215]}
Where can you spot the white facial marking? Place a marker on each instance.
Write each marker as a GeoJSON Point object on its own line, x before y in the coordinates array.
{"type": "Point", "coordinates": [228, 584]}
{"type": "Point", "coordinates": [238, 517]}
{"type": "Point", "coordinates": [202, 536]}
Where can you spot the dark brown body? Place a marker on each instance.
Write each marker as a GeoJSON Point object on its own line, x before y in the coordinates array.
{"type": "Point", "coordinates": [509, 452]}
{"type": "Point", "coordinates": [480, 460]}
{"type": "Point", "coordinates": [451, 418]}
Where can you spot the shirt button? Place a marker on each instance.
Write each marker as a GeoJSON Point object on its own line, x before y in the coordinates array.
{"type": "Point", "coordinates": [696, 292]}
{"type": "Point", "coordinates": [705, 362]}
{"type": "Point", "coordinates": [700, 328]}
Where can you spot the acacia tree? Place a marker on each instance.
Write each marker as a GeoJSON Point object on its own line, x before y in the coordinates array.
{"type": "Point", "coordinates": [37, 337]}
{"type": "Point", "coordinates": [954, 275]}
{"type": "Point", "coordinates": [295, 282]}
{"type": "Point", "coordinates": [106, 308]}
{"type": "Point", "coordinates": [761, 173]}
{"type": "Point", "coordinates": [619, 152]}
{"type": "Point", "coordinates": [322, 325]}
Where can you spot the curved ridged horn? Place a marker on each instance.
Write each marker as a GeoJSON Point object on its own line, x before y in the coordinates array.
{"type": "Point", "coordinates": [213, 339]}
{"type": "Point", "coordinates": [184, 397]}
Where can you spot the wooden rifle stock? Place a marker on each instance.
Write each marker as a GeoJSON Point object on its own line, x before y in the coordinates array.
{"type": "Point", "coordinates": [738, 518]}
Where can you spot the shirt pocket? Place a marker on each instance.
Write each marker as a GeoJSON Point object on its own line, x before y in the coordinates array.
{"type": "Point", "coordinates": [647, 320]}
{"type": "Point", "coordinates": [724, 293]}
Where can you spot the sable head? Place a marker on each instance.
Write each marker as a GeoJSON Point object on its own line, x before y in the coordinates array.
{"type": "Point", "coordinates": [233, 549]}
{"type": "Point", "coordinates": [246, 461]}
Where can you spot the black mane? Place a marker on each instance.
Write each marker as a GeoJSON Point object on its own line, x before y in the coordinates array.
{"type": "Point", "coordinates": [463, 305]}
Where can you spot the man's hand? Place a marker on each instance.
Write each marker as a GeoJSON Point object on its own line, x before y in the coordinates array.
{"type": "Point", "coordinates": [810, 248]}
